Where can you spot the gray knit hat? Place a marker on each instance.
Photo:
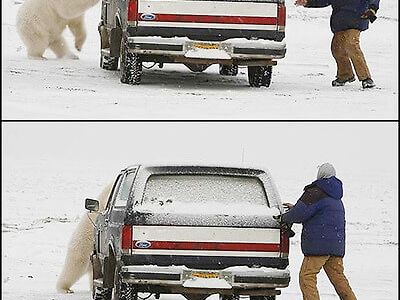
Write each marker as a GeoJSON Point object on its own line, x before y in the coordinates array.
{"type": "Point", "coordinates": [326, 170]}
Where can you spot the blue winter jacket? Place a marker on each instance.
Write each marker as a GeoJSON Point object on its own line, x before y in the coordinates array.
{"type": "Point", "coordinates": [321, 211]}
{"type": "Point", "coordinates": [346, 14]}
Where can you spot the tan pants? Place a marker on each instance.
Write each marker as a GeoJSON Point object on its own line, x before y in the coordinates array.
{"type": "Point", "coordinates": [346, 50]}
{"type": "Point", "coordinates": [333, 267]}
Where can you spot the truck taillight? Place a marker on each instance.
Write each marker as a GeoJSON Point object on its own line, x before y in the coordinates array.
{"type": "Point", "coordinates": [281, 14]}
{"type": "Point", "coordinates": [126, 237]}
{"type": "Point", "coordinates": [132, 10]}
{"type": "Point", "coordinates": [284, 245]}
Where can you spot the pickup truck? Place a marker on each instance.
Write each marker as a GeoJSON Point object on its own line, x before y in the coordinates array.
{"type": "Point", "coordinates": [197, 33]}
{"type": "Point", "coordinates": [190, 230]}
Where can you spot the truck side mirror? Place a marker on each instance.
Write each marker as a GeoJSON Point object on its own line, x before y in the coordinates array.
{"type": "Point", "coordinates": [91, 205]}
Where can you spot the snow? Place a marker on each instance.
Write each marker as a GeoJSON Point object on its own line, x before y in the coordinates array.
{"type": "Point", "coordinates": [300, 89]}
{"type": "Point", "coordinates": [262, 271]}
{"type": "Point", "coordinates": [210, 208]}
{"type": "Point", "coordinates": [50, 168]}
{"type": "Point", "coordinates": [245, 43]}
{"type": "Point", "coordinates": [171, 192]}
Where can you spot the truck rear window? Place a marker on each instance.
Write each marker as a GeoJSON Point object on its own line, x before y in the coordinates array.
{"type": "Point", "coordinates": [214, 193]}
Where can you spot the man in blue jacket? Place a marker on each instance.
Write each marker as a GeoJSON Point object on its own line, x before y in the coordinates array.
{"type": "Point", "coordinates": [348, 19]}
{"type": "Point", "coordinates": [321, 211]}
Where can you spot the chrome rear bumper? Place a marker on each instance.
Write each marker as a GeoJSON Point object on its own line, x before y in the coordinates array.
{"type": "Point", "coordinates": [226, 279]}
{"type": "Point", "coordinates": [237, 49]}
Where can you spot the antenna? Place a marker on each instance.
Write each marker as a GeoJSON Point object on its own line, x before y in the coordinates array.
{"type": "Point", "coordinates": [242, 154]}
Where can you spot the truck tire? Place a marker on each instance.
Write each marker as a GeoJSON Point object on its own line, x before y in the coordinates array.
{"type": "Point", "coordinates": [102, 293]}
{"type": "Point", "coordinates": [229, 297]}
{"type": "Point", "coordinates": [231, 70]}
{"type": "Point", "coordinates": [262, 297]}
{"type": "Point", "coordinates": [198, 68]}
{"type": "Point", "coordinates": [108, 63]}
{"type": "Point", "coordinates": [123, 291]}
{"type": "Point", "coordinates": [259, 75]}
{"type": "Point", "coordinates": [130, 65]}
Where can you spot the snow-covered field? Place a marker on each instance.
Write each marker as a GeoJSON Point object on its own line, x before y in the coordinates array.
{"type": "Point", "coordinates": [65, 89]}
{"type": "Point", "coordinates": [49, 168]}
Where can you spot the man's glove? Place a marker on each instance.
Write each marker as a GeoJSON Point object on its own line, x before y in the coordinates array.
{"type": "Point", "coordinates": [370, 14]}
{"type": "Point", "coordinates": [285, 227]}
{"type": "Point", "coordinates": [288, 229]}
{"type": "Point", "coordinates": [278, 218]}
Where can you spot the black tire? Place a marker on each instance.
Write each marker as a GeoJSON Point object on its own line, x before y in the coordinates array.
{"type": "Point", "coordinates": [231, 70]}
{"type": "Point", "coordinates": [109, 63]}
{"type": "Point", "coordinates": [102, 293]}
{"type": "Point", "coordinates": [123, 291]}
{"type": "Point", "coordinates": [130, 65]}
{"type": "Point", "coordinates": [229, 297]}
{"type": "Point", "coordinates": [198, 68]}
{"type": "Point", "coordinates": [262, 297]}
{"type": "Point", "coordinates": [259, 75]}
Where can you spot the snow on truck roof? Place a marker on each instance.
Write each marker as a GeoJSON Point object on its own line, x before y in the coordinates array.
{"type": "Point", "coordinates": [194, 168]}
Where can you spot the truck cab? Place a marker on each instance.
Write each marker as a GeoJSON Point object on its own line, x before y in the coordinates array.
{"type": "Point", "coordinates": [197, 33]}
{"type": "Point", "coordinates": [190, 230]}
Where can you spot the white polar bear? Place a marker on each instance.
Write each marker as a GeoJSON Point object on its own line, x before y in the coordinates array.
{"type": "Point", "coordinates": [77, 262]}
{"type": "Point", "coordinates": [40, 24]}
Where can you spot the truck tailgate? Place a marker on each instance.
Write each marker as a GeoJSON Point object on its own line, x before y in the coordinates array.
{"type": "Point", "coordinates": [210, 20]}
{"type": "Point", "coordinates": [205, 247]}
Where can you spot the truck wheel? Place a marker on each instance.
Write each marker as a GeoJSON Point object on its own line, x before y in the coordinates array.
{"type": "Point", "coordinates": [131, 66]}
{"type": "Point", "coordinates": [231, 70]}
{"type": "Point", "coordinates": [102, 293]}
{"type": "Point", "coordinates": [262, 297]}
{"type": "Point", "coordinates": [259, 75]}
{"type": "Point", "coordinates": [123, 291]}
{"type": "Point", "coordinates": [109, 63]}
{"type": "Point", "coordinates": [198, 68]}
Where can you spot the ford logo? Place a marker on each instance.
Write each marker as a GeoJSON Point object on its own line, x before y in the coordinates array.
{"type": "Point", "coordinates": [143, 244]}
{"type": "Point", "coordinates": [148, 17]}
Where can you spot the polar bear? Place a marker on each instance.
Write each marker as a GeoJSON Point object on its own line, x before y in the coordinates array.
{"type": "Point", "coordinates": [40, 24]}
{"type": "Point", "coordinates": [77, 262]}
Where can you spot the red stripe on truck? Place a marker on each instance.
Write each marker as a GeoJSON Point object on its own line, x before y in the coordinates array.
{"type": "Point", "coordinates": [126, 237]}
{"type": "Point", "coordinates": [212, 19]}
{"type": "Point", "coordinates": [261, 247]}
{"type": "Point", "coordinates": [281, 14]}
{"type": "Point", "coordinates": [132, 10]}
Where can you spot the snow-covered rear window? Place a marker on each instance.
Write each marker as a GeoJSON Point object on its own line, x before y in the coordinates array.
{"type": "Point", "coordinates": [205, 193]}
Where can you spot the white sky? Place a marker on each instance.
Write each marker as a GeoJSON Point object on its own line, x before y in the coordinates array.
{"type": "Point", "coordinates": [283, 146]}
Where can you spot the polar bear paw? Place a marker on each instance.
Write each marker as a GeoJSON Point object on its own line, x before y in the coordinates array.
{"type": "Point", "coordinates": [79, 44]}
{"type": "Point", "coordinates": [66, 291]}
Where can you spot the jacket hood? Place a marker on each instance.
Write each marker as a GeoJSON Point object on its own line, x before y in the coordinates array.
{"type": "Point", "coordinates": [332, 186]}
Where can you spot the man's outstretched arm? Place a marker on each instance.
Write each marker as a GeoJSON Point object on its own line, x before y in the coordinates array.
{"type": "Point", "coordinates": [299, 213]}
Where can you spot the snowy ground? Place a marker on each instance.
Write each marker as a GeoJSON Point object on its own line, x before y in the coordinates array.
{"type": "Point", "coordinates": [65, 89]}
{"type": "Point", "coordinates": [48, 170]}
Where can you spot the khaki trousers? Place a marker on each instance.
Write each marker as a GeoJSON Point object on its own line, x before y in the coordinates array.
{"type": "Point", "coordinates": [333, 266]}
{"type": "Point", "coordinates": [346, 50]}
